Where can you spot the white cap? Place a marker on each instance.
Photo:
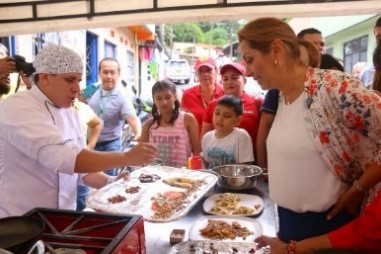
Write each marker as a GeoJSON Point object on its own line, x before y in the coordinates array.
{"type": "Point", "coordinates": [56, 59]}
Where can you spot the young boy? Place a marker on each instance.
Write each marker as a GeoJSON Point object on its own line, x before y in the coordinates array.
{"type": "Point", "coordinates": [227, 144]}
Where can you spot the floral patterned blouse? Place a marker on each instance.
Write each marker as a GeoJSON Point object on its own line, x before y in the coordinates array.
{"type": "Point", "coordinates": [344, 121]}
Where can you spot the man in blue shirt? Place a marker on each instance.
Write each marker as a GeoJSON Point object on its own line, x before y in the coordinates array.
{"type": "Point", "coordinates": [111, 103]}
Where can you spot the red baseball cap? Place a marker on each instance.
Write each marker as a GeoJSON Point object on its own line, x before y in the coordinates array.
{"type": "Point", "coordinates": [237, 66]}
{"type": "Point", "coordinates": [205, 61]}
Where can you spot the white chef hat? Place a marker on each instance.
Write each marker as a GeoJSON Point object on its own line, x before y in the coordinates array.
{"type": "Point", "coordinates": [57, 59]}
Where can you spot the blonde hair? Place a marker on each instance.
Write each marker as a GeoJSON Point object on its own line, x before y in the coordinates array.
{"type": "Point", "coordinates": [312, 52]}
{"type": "Point", "coordinates": [260, 34]}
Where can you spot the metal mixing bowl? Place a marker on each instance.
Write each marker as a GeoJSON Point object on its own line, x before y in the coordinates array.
{"type": "Point", "coordinates": [237, 176]}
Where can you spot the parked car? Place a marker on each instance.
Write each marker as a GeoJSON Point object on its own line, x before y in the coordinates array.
{"type": "Point", "coordinates": [178, 71]}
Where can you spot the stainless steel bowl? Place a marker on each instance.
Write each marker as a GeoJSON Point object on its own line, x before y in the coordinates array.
{"type": "Point", "coordinates": [237, 176]}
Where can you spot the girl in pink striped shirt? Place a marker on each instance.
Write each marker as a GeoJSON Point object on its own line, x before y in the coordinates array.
{"type": "Point", "coordinates": [174, 132]}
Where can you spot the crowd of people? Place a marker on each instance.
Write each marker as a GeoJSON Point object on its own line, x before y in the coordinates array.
{"type": "Point", "coordinates": [315, 132]}
{"type": "Point", "coordinates": [323, 161]}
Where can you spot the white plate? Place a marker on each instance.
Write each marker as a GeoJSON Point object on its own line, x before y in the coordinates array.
{"type": "Point", "coordinates": [245, 200]}
{"type": "Point", "coordinates": [252, 224]}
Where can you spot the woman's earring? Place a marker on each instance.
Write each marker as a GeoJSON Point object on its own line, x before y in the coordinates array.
{"type": "Point", "coordinates": [276, 62]}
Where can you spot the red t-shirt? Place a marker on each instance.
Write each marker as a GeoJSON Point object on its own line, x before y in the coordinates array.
{"type": "Point", "coordinates": [192, 102]}
{"type": "Point", "coordinates": [250, 116]}
{"type": "Point", "coordinates": [362, 234]}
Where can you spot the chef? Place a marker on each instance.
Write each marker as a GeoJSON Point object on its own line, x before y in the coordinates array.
{"type": "Point", "coordinates": [43, 156]}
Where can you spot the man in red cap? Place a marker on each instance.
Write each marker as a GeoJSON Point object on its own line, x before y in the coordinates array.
{"type": "Point", "coordinates": [195, 99]}
{"type": "Point", "coordinates": [233, 82]}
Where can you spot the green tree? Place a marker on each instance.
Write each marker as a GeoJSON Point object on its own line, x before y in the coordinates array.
{"type": "Point", "coordinates": [217, 36]}
{"type": "Point", "coordinates": [216, 33]}
{"type": "Point", "coordinates": [205, 26]}
{"type": "Point", "coordinates": [183, 32]}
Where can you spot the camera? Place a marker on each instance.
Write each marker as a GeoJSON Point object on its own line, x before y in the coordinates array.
{"type": "Point", "coordinates": [22, 65]}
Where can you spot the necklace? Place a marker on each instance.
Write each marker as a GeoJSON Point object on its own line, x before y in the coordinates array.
{"type": "Point", "coordinates": [294, 90]}
{"type": "Point", "coordinates": [288, 99]}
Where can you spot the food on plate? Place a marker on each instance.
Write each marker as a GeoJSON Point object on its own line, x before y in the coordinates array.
{"type": "Point", "coordinates": [257, 206]}
{"type": "Point", "coordinates": [116, 199]}
{"type": "Point", "coordinates": [220, 230]}
{"type": "Point", "coordinates": [167, 203]}
{"type": "Point", "coordinates": [228, 203]}
{"type": "Point", "coordinates": [183, 182]}
{"type": "Point", "coordinates": [133, 189]}
{"type": "Point", "coordinates": [217, 247]}
{"type": "Point", "coordinates": [148, 178]}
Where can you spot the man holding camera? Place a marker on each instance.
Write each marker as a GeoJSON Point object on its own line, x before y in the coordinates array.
{"type": "Point", "coordinates": [10, 65]}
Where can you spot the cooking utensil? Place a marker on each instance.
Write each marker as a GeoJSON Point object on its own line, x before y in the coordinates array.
{"type": "Point", "coordinates": [19, 233]}
{"type": "Point", "coordinates": [237, 176]}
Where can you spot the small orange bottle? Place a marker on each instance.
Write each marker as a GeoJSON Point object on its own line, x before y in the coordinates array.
{"type": "Point", "coordinates": [189, 161]}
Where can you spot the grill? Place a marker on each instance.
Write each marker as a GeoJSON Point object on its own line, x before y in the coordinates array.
{"type": "Point", "coordinates": [91, 233]}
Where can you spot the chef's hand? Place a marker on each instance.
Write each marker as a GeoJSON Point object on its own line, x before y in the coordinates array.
{"type": "Point", "coordinates": [7, 65]}
{"type": "Point", "coordinates": [350, 201]}
{"type": "Point", "coordinates": [276, 245]}
{"type": "Point", "coordinates": [142, 153]}
{"type": "Point", "coordinates": [123, 175]}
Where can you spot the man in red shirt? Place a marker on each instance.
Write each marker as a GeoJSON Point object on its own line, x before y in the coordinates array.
{"type": "Point", "coordinates": [233, 82]}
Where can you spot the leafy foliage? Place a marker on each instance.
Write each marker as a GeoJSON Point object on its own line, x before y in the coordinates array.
{"type": "Point", "coordinates": [183, 32]}
{"type": "Point", "coordinates": [216, 33]}
{"type": "Point", "coordinates": [218, 36]}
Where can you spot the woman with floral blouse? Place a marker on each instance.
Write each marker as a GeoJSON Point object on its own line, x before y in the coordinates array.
{"type": "Point", "coordinates": [324, 145]}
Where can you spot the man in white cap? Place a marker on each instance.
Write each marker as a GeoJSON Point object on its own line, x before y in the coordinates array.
{"type": "Point", "coordinates": [42, 150]}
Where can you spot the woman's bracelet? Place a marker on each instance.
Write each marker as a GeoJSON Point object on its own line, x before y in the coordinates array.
{"type": "Point", "coordinates": [358, 187]}
{"type": "Point", "coordinates": [290, 247]}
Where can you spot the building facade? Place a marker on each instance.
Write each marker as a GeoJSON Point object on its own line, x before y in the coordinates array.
{"type": "Point", "coordinates": [128, 45]}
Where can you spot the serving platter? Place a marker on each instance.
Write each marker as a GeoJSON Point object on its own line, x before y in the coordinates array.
{"type": "Point", "coordinates": [194, 247]}
{"type": "Point", "coordinates": [251, 224]}
{"type": "Point", "coordinates": [158, 193]}
{"type": "Point", "coordinates": [253, 204]}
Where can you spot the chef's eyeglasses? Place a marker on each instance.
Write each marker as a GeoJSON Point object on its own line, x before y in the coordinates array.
{"type": "Point", "coordinates": [233, 78]}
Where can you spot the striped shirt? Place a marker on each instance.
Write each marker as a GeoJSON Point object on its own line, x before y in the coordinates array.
{"type": "Point", "coordinates": [172, 142]}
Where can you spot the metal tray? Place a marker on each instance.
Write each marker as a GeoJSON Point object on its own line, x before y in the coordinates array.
{"type": "Point", "coordinates": [141, 202]}
{"type": "Point", "coordinates": [214, 247]}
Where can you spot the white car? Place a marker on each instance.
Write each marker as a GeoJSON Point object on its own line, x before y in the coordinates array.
{"type": "Point", "coordinates": [178, 71]}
